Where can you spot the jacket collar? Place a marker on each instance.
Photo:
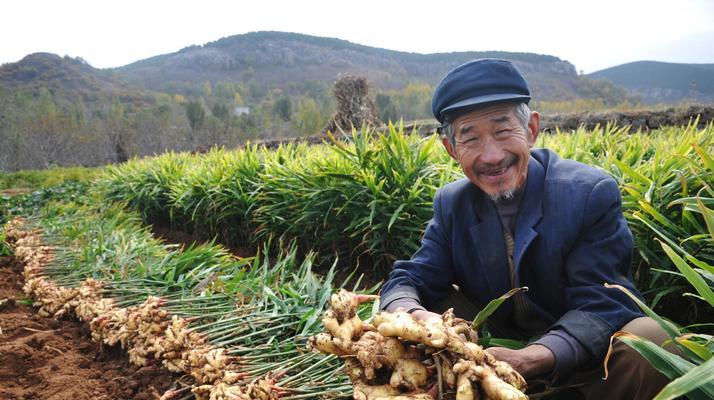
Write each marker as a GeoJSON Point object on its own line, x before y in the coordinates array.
{"type": "Point", "coordinates": [530, 211]}
{"type": "Point", "coordinates": [487, 234]}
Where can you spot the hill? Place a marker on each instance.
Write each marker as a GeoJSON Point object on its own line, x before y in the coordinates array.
{"type": "Point", "coordinates": [71, 78]}
{"type": "Point", "coordinates": [277, 59]}
{"type": "Point", "coordinates": [61, 111]}
{"type": "Point", "coordinates": [662, 82]}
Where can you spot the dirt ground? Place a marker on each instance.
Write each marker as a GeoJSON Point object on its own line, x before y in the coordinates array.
{"type": "Point", "coordinates": [42, 358]}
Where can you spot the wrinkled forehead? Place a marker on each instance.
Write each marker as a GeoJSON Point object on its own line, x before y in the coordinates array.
{"type": "Point", "coordinates": [485, 117]}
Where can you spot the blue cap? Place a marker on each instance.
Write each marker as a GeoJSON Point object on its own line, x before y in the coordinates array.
{"type": "Point", "coordinates": [476, 84]}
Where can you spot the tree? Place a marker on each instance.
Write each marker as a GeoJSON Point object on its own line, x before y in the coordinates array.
{"type": "Point", "coordinates": [119, 132]}
{"type": "Point", "coordinates": [386, 108]}
{"type": "Point", "coordinates": [196, 114]}
{"type": "Point", "coordinates": [220, 111]}
{"type": "Point", "coordinates": [416, 100]}
{"type": "Point", "coordinates": [206, 89]}
{"type": "Point", "coordinates": [308, 119]}
{"type": "Point", "coordinates": [283, 108]}
{"type": "Point", "coordinates": [237, 99]}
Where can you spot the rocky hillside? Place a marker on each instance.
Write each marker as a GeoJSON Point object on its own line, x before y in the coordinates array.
{"type": "Point", "coordinates": [279, 59]}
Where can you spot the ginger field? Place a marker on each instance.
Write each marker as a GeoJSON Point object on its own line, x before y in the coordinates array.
{"type": "Point", "coordinates": [275, 233]}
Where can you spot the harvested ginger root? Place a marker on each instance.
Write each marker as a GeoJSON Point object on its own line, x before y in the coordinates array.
{"type": "Point", "coordinates": [431, 332]}
{"type": "Point", "coordinates": [399, 358]}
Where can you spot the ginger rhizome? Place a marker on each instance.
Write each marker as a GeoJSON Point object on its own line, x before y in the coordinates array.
{"type": "Point", "coordinates": [397, 357]}
{"type": "Point", "coordinates": [145, 330]}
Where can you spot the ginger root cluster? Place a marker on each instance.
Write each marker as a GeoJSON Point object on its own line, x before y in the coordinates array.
{"type": "Point", "coordinates": [396, 357]}
{"type": "Point", "coordinates": [145, 330]}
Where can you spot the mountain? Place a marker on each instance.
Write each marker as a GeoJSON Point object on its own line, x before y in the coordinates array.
{"type": "Point", "coordinates": [69, 78]}
{"type": "Point", "coordinates": [277, 59]}
{"type": "Point", "coordinates": [662, 82]}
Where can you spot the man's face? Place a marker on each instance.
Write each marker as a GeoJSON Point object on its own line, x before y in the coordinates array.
{"type": "Point", "coordinates": [493, 148]}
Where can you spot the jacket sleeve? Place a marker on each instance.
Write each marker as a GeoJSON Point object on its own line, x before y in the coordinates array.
{"type": "Point", "coordinates": [600, 254]}
{"type": "Point", "coordinates": [426, 277]}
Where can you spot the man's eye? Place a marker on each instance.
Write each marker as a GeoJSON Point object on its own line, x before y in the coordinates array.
{"type": "Point", "coordinates": [503, 133]}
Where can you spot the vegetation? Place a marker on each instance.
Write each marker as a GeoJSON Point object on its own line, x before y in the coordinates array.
{"type": "Point", "coordinates": [32, 202]}
{"type": "Point", "coordinates": [366, 199]}
{"type": "Point", "coordinates": [369, 199]}
{"type": "Point", "coordinates": [253, 313]}
{"type": "Point", "coordinates": [60, 111]}
{"type": "Point", "coordinates": [659, 174]}
{"type": "Point", "coordinates": [690, 371]}
{"type": "Point", "coordinates": [39, 179]}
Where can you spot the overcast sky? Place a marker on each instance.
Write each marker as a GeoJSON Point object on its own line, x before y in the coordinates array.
{"type": "Point", "coordinates": [590, 34]}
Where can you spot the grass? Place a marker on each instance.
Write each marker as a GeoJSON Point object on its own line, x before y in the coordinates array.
{"type": "Point", "coordinates": [40, 179]}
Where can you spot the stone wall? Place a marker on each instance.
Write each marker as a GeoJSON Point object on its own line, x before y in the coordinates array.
{"type": "Point", "coordinates": [637, 120]}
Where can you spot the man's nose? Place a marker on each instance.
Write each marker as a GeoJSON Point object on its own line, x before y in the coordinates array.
{"type": "Point", "coordinates": [492, 152]}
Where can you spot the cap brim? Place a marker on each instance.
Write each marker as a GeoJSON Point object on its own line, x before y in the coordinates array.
{"type": "Point", "coordinates": [478, 101]}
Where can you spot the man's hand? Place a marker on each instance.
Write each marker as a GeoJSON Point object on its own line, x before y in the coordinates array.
{"type": "Point", "coordinates": [529, 361]}
{"type": "Point", "coordinates": [423, 315]}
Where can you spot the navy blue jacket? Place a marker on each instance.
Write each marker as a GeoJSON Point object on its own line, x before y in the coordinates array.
{"type": "Point", "coordinates": [571, 238]}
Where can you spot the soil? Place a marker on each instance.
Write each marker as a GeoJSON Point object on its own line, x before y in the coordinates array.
{"type": "Point", "coordinates": [14, 191]}
{"type": "Point", "coordinates": [48, 359]}
{"type": "Point", "coordinates": [365, 278]}
{"type": "Point", "coordinates": [169, 234]}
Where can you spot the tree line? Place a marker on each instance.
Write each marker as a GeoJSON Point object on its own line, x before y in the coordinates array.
{"type": "Point", "coordinates": [46, 127]}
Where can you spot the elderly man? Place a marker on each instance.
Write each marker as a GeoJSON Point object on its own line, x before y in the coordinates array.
{"type": "Point", "coordinates": [525, 217]}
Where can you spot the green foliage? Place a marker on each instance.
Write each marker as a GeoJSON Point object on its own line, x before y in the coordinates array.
{"type": "Point", "coordinates": [690, 371]}
{"type": "Point", "coordinates": [196, 114]}
{"type": "Point", "coordinates": [145, 184]}
{"type": "Point", "coordinates": [410, 103]}
{"type": "Point", "coordinates": [30, 203]}
{"type": "Point", "coordinates": [4, 248]}
{"type": "Point", "coordinates": [283, 108]}
{"type": "Point", "coordinates": [368, 199]}
{"type": "Point", "coordinates": [308, 119]}
{"type": "Point", "coordinates": [659, 173]}
{"type": "Point", "coordinates": [37, 179]}
{"type": "Point", "coordinates": [262, 307]}
{"type": "Point", "coordinates": [216, 193]}
{"type": "Point", "coordinates": [386, 108]}
{"type": "Point", "coordinates": [220, 111]}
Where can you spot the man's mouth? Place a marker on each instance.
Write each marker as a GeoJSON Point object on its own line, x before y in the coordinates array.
{"type": "Point", "coordinates": [494, 172]}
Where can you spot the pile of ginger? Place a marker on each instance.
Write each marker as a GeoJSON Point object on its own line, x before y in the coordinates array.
{"type": "Point", "coordinates": [145, 330]}
{"type": "Point", "coordinates": [396, 357]}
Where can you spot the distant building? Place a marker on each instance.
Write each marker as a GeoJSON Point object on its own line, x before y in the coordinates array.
{"type": "Point", "coordinates": [240, 110]}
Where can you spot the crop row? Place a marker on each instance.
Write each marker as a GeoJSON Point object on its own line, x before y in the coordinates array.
{"type": "Point", "coordinates": [235, 324]}
{"type": "Point", "coordinates": [368, 199]}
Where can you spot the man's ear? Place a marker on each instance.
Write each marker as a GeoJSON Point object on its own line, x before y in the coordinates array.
{"type": "Point", "coordinates": [449, 148]}
{"type": "Point", "coordinates": [533, 127]}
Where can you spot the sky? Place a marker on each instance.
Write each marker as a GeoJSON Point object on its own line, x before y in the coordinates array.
{"type": "Point", "coordinates": [592, 35]}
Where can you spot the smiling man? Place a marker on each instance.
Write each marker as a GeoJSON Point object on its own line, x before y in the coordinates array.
{"type": "Point", "coordinates": [525, 217]}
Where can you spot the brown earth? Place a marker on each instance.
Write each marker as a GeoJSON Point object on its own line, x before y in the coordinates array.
{"type": "Point", "coordinates": [14, 191]}
{"type": "Point", "coordinates": [48, 359]}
